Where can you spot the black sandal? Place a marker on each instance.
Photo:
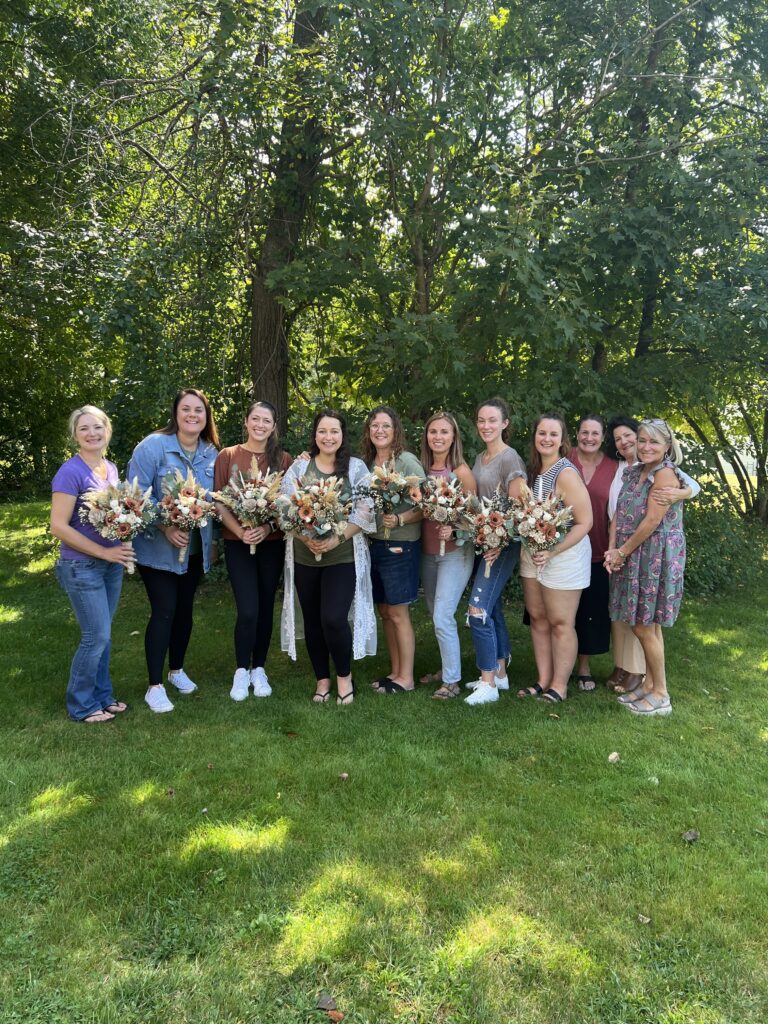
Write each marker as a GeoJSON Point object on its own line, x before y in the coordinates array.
{"type": "Point", "coordinates": [552, 696]}
{"type": "Point", "coordinates": [390, 686]}
{"type": "Point", "coordinates": [321, 698]}
{"type": "Point", "coordinates": [531, 691]}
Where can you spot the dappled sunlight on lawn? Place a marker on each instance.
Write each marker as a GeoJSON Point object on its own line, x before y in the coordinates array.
{"type": "Point", "coordinates": [519, 939]}
{"type": "Point", "coordinates": [142, 794]}
{"type": "Point", "coordinates": [237, 838]}
{"type": "Point", "coordinates": [8, 615]}
{"type": "Point", "coordinates": [351, 905]}
{"type": "Point", "coordinates": [53, 804]}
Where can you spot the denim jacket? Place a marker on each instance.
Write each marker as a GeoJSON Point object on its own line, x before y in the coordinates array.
{"type": "Point", "coordinates": [152, 460]}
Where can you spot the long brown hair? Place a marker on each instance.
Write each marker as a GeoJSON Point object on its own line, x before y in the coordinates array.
{"type": "Point", "coordinates": [209, 432]}
{"type": "Point", "coordinates": [455, 456]}
{"type": "Point", "coordinates": [343, 455]}
{"type": "Point", "coordinates": [367, 448]}
{"type": "Point", "coordinates": [274, 450]}
{"type": "Point", "coordinates": [534, 459]}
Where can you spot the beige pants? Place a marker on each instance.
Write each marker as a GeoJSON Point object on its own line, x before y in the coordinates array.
{"type": "Point", "coordinates": [627, 651]}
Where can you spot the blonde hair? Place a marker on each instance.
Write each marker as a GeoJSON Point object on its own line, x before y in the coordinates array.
{"type": "Point", "coordinates": [90, 410]}
{"type": "Point", "coordinates": [660, 430]}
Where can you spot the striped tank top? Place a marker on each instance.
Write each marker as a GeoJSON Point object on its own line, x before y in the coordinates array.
{"type": "Point", "coordinates": [545, 482]}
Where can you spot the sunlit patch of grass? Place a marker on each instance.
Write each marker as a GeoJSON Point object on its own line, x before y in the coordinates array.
{"type": "Point", "coordinates": [37, 566]}
{"type": "Point", "coordinates": [8, 615]}
{"type": "Point", "coordinates": [210, 865]}
{"type": "Point", "coordinates": [142, 794]}
{"type": "Point", "coordinates": [237, 838]}
{"type": "Point", "coordinates": [348, 905]}
{"type": "Point", "coordinates": [518, 938]}
{"type": "Point", "coordinates": [53, 804]}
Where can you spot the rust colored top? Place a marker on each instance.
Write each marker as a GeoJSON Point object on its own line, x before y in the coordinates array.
{"type": "Point", "coordinates": [599, 488]}
{"type": "Point", "coordinates": [239, 457]}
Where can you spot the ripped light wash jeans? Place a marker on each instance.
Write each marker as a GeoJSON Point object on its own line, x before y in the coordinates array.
{"type": "Point", "coordinates": [489, 630]}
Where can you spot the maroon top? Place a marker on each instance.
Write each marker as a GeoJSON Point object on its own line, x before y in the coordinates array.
{"type": "Point", "coordinates": [599, 488]}
{"type": "Point", "coordinates": [239, 456]}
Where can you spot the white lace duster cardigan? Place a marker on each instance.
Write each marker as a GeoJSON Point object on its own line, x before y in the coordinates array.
{"type": "Point", "coordinates": [361, 613]}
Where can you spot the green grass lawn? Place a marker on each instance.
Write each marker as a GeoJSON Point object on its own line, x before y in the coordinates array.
{"type": "Point", "coordinates": [478, 865]}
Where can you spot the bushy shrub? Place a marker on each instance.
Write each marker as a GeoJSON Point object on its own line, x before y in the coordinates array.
{"type": "Point", "coordinates": [724, 550]}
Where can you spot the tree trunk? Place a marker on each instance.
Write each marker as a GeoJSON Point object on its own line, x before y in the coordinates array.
{"type": "Point", "coordinates": [297, 169]}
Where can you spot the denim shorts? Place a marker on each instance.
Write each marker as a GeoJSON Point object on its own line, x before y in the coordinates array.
{"type": "Point", "coordinates": [395, 571]}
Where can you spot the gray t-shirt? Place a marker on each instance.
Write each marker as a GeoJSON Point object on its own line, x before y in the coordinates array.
{"type": "Point", "coordinates": [502, 468]}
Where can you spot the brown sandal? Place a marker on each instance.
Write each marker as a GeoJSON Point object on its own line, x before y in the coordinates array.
{"type": "Point", "coordinates": [447, 691]}
{"type": "Point", "coordinates": [616, 678]}
{"type": "Point", "coordinates": [431, 677]}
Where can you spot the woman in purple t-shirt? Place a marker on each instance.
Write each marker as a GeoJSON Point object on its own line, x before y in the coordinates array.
{"type": "Point", "coordinates": [90, 568]}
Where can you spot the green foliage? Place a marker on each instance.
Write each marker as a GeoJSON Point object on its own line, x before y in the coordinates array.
{"type": "Point", "coordinates": [723, 550]}
{"type": "Point", "coordinates": [560, 203]}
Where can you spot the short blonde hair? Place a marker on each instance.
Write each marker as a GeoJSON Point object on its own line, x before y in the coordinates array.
{"type": "Point", "coordinates": [660, 430]}
{"type": "Point", "coordinates": [90, 410]}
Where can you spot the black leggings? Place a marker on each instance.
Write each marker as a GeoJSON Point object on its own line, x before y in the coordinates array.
{"type": "Point", "coordinates": [171, 596]}
{"type": "Point", "coordinates": [325, 595]}
{"type": "Point", "coordinates": [254, 580]}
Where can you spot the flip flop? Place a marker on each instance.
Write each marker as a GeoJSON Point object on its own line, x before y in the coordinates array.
{"type": "Point", "coordinates": [586, 683]}
{"type": "Point", "coordinates": [96, 719]}
{"type": "Point", "coordinates": [117, 707]}
{"type": "Point", "coordinates": [390, 686]}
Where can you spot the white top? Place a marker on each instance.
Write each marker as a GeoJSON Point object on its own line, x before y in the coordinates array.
{"type": "Point", "coordinates": [618, 480]}
{"type": "Point", "coordinates": [361, 613]}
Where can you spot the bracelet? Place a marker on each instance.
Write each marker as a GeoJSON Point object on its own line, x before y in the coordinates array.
{"type": "Point", "coordinates": [620, 552]}
{"type": "Point", "coordinates": [399, 519]}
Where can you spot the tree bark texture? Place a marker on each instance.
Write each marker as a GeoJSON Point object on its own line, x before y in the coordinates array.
{"type": "Point", "coordinates": [297, 169]}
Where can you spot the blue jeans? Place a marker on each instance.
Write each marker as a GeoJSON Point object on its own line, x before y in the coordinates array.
{"type": "Point", "coordinates": [444, 580]}
{"type": "Point", "coordinates": [489, 630]}
{"type": "Point", "coordinates": [93, 586]}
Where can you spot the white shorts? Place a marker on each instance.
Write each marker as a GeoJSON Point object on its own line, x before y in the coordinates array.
{"type": "Point", "coordinates": [571, 570]}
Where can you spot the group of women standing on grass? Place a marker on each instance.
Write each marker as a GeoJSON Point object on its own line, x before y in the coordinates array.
{"type": "Point", "coordinates": [626, 525]}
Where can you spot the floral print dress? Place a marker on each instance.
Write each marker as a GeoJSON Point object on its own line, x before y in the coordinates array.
{"type": "Point", "coordinates": [648, 588]}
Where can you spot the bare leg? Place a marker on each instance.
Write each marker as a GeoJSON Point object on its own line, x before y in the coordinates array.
{"type": "Point", "coordinates": [540, 631]}
{"type": "Point", "coordinates": [561, 607]}
{"type": "Point", "coordinates": [652, 641]}
{"type": "Point", "coordinates": [404, 644]}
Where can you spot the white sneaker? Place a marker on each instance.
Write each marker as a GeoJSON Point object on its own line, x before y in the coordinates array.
{"type": "Point", "coordinates": [240, 684]}
{"type": "Point", "coordinates": [181, 681]}
{"type": "Point", "coordinates": [157, 699]}
{"type": "Point", "coordinates": [502, 683]}
{"type": "Point", "coordinates": [484, 694]}
{"type": "Point", "coordinates": [260, 683]}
